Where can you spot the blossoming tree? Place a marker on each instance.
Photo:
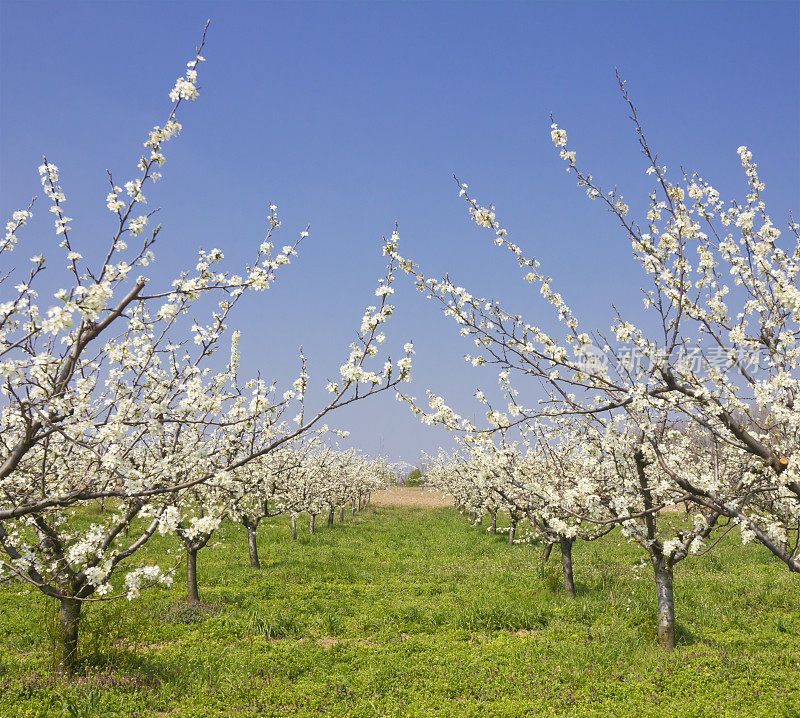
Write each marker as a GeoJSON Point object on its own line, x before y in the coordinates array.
{"type": "Point", "coordinates": [111, 394]}
{"type": "Point", "coordinates": [721, 359]}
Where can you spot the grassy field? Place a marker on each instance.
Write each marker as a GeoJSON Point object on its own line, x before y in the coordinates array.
{"type": "Point", "coordinates": [412, 612]}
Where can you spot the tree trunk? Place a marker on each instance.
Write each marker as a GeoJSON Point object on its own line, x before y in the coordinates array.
{"type": "Point", "coordinates": [548, 547]}
{"type": "Point", "coordinates": [330, 517]}
{"type": "Point", "coordinates": [311, 522]}
{"type": "Point", "coordinates": [511, 530]}
{"type": "Point", "coordinates": [353, 508]}
{"type": "Point", "coordinates": [494, 523]}
{"type": "Point", "coordinates": [191, 576]}
{"type": "Point", "coordinates": [566, 563]}
{"type": "Point", "coordinates": [69, 619]}
{"type": "Point", "coordinates": [253, 546]}
{"type": "Point", "coordinates": [666, 604]}
{"type": "Point", "coordinates": [341, 514]}
{"type": "Point", "coordinates": [294, 527]}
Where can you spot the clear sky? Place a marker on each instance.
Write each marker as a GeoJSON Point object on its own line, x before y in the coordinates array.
{"type": "Point", "coordinates": [353, 116]}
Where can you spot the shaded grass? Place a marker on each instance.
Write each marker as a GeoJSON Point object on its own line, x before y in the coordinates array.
{"type": "Point", "coordinates": [406, 612]}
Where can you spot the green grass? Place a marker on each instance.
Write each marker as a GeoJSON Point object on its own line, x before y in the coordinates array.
{"type": "Point", "coordinates": [412, 612]}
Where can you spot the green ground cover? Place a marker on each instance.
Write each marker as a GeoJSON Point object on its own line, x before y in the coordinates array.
{"type": "Point", "coordinates": [412, 612]}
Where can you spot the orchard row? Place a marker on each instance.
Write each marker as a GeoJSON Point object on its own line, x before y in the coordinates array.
{"type": "Point", "coordinates": [118, 392]}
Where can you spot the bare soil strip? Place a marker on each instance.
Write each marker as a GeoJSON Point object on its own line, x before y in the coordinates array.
{"type": "Point", "coordinates": [411, 496]}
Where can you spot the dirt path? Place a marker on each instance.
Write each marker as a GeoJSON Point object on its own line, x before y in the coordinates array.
{"type": "Point", "coordinates": [411, 496]}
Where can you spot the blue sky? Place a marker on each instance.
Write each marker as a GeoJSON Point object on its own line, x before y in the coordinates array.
{"type": "Point", "coordinates": [353, 116]}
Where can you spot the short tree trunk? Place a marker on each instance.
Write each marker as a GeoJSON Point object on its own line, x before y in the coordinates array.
{"type": "Point", "coordinates": [192, 594]}
{"type": "Point", "coordinates": [666, 604]}
{"type": "Point", "coordinates": [494, 523]}
{"type": "Point", "coordinates": [566, 564]}
{"type": "Point", "coordinates": [548, 547]}
{"type": "Point", "coordinates": [69, 620]}
{"type": "Point", "coordinates": [330, 517]}
{"type": "Point", "coordinates": [294, 527]}
{"type": "Point", "coordinates": [252, 546]}
{"type": "Point", "coordinates": [311, 523]}
{"type": "Point", "coordinates": [511, 530]}
{"type": "Point", "coordinates": [341, 514]}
